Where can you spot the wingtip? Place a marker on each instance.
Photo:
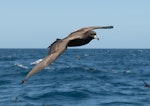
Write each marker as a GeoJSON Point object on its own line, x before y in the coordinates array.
{"type": "Point", "coordinates": [111, 27]}
{"type": "Point", "coordinates": [24, 81]}
{"type": "Point", "coordinates": [108, 27]}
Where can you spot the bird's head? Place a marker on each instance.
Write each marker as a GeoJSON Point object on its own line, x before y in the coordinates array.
{"type": "Point", "coordinates": [93, 35]}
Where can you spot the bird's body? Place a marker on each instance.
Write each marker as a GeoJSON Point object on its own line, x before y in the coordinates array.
{"type": "Point", "coordinates": [81, 41]}
{"type": "Point", "coordinates": [77, 38]}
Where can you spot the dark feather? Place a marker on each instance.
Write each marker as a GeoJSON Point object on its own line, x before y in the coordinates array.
{"type": "Point", "coordinates": [53, 46]}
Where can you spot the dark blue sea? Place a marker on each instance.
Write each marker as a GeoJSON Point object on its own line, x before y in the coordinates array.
{"type": "Point", "coordinates": [79, 77]}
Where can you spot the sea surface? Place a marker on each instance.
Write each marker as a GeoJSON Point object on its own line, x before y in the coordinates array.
{"type": "Point", "coordinates": [79, 77]}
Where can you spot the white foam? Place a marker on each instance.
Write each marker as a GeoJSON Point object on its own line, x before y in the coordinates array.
{"type": "Point", "coordinates": [127, 71]}
{"type": "Point", "coordinates": [36, 62]}
{"type": "Point", "coordinates": [86, 55]}
{"type": "Point", "coordinates": [21, 66]}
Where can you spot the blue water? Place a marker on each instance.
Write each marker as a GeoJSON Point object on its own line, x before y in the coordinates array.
{"type": "Point", "coordinates": [79, 77]}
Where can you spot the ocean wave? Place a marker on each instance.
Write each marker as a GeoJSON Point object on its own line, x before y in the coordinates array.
{"type": "Point", "coordinates": [8, 58]}
{"type": "Point", "coordinates": [58, 94]}
{"type": "Point", "coordinates": [21, 65]}
{"type": "Point", "coordinates": [104, 78]}
{"type": "Point", "coordinates": [4, 82]}
{"type": "Point", "coordinates": [121, 103]}
{"type": "Point", "coordinates": [86, 54]}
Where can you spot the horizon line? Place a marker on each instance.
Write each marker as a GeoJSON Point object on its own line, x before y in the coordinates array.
{"type": "Point", "coordinates": [77, 48]}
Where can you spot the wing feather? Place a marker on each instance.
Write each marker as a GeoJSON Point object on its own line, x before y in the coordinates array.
{"type": "Point", "coordinates": [59, 48]}
{"type": "Point", "coordinates": [83, 30]}
{"type": "Point", "coordinates": [44, 63]}
{"type": "Point", "coordinates": [79, 34]}
{"type": "Point", "coordinates": [54, 46]}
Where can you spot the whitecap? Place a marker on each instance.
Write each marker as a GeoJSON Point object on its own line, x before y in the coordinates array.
{"type": "Point", "coordinates": [86, 55]}
{"type": "Point", "coordinates": [21, 66]}
{"type": "Point", "coordinates": [36, 62]}
{"type": "Point", "coordinates": [8, 58]}
{"type": "Point", "coordinates": [127, 71]}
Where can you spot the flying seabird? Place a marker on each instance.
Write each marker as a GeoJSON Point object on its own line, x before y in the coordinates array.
{"type": "Point", "coordinates": [77, 38]}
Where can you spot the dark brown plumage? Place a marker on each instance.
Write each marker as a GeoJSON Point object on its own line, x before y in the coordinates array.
{"type": "Point", "coordinates": [77, 38]}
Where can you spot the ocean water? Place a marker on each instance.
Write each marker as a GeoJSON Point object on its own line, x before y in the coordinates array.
{"type": "Point", "coordinates": [79, 77]}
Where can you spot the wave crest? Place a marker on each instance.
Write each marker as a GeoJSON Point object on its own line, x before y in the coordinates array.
{"type": "Point", "coordinates": [8, 58]}
{"type": "Point", "coordinates": [21, 65]}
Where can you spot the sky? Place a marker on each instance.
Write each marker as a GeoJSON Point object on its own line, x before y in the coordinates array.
{"type": "Point", "coordinates": [38, 23]}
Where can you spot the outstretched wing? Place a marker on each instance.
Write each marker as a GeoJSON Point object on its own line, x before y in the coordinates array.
{"type": "Point", "coordinates": [79, 34]}
{"type": "Point", "coordinates": [54, 46]}
{"type": "Point", "coordinates": [83, 30]}
{"type": "Point", "coordinates": [57, 48]}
